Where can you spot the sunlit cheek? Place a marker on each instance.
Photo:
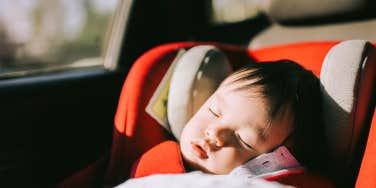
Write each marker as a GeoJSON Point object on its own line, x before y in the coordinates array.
{"type": "Point", "coordinates": [225, 160]}
{"type": "Point", "coordinates": [199, 123]}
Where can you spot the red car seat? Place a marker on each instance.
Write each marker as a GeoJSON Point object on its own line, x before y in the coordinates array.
{"type": "Point", "coordinates": [136, 132]}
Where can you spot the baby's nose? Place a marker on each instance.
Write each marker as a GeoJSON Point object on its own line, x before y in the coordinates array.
{"type": "Point", "coordinates": [214, 138]}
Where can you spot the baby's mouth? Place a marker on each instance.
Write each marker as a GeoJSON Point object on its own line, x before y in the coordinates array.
{"type": "Point", "coordinates": [199, 151]}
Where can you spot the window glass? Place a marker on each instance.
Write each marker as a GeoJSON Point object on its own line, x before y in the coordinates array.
{"type": "Point", "coordinates": [46, 35]}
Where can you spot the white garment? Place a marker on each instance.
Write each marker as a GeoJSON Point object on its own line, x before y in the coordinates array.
{"type": "Point", "coordinates": [198, 179]}
{"type": "Point", "coordinates": [269, 164]}
{"type": "Point", "coordinates": [248, 175]}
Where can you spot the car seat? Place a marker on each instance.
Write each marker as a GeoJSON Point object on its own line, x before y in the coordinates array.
{"type": "Point", "coordinates": [315, 20]}
{"type": "Point", "coordinates": [136, 131]}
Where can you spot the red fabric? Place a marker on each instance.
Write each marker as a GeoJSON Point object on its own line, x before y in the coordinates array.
{"type": "Point", "coordinates": [135, 131]}
{"type": "Point", "coordinates": [161, 159]}
{"type": "Point", "coordinates": [367, 173]}
{"type": "Point", "coordinates": [309, 54]}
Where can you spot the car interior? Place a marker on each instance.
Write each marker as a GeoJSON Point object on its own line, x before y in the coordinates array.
{"type": "Point", "coordinates": [87, 127]}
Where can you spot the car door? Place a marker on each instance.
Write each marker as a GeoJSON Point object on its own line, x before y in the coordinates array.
{"type": "Point", "coordinates": [59, 83]}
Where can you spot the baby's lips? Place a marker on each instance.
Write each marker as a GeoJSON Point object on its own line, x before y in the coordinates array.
{"type": "Point", "coordinates": [199, 151]}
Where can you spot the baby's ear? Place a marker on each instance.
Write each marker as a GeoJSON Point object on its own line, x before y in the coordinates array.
{"type": "Point", "coordinates": [197, 74]}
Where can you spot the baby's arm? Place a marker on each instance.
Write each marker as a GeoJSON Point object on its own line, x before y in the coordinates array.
{"type": "Point", "coordinates": [198, 179]}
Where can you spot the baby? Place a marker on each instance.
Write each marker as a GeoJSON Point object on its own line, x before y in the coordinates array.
{"type": "Point", "coordinates": [255, 110]}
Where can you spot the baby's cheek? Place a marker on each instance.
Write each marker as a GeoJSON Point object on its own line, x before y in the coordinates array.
{"type": "Point", "coordinates": [197, 124]}
{"type": "Point", "coordinates": [226, 159]}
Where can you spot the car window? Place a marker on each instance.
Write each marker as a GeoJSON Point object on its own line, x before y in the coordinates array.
{"type": "Point", "coordinates": [45, 35]}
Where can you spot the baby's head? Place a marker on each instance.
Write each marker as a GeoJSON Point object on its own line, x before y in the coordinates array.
{"type": "Point", "coordinates": [255, 110]}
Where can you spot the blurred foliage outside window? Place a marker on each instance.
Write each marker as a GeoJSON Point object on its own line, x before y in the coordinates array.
{"type": "Point", "coordinates": [35, 34]}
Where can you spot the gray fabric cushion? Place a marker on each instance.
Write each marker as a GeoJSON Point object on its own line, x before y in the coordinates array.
{"type": "Point", "coordinates": [347, 91]}
{"type": "Point", "coordinates": [281, 10]}
{"type": "Point", "coordinates": [197, 75]}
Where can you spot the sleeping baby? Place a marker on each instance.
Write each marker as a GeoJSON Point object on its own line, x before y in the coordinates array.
{"type": "Point", "coordinates": [263, 118]}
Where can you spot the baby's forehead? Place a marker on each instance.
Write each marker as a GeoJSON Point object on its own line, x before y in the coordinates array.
{"type": "Point", "coordinates": [241, 87]}
{"type": "Point", "coordinates": [245, 88]}
{"type": "Point", "coordinates": [233, 92]}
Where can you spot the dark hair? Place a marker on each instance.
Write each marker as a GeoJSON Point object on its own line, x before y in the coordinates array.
{"type": "Point", "coordinates": [287, 85]}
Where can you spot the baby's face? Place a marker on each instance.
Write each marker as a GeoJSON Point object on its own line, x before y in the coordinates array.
{"type": "Point", "coordinates": [231, 128]}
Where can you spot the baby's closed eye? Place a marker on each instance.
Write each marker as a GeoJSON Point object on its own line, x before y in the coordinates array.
{"type": "Point", "coordinates": [244, 143]}
{"type": "Point", "coordinates": [214, 112]}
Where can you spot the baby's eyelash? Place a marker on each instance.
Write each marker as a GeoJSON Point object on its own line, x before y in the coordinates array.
{"type": "Point", "coordinates": [214, 113]}
{"type": "Point", "coordinates": [243, 142]}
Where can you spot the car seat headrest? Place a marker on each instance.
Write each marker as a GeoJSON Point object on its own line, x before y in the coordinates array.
{"type": "Point", "coordinates": [285, 10]}
{"type": "Point", "coordinates": [196, 76]}
{"type": "Point", "coordinates": [347, 79]}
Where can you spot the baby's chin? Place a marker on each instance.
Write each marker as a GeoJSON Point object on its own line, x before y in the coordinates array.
{"type": "Point", "coordinates": [192, 163]}
{"type": "Point", "coordinates": [193, 166]}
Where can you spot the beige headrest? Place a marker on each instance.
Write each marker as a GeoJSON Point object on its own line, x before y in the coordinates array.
{"type": "Point", "coordinates": [197, 75]}
{"type": "Point", "coordinates": [348, 79]}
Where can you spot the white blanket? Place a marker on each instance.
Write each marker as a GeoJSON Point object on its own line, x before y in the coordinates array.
{"type": "Point", "coordinates": [198, 179]}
